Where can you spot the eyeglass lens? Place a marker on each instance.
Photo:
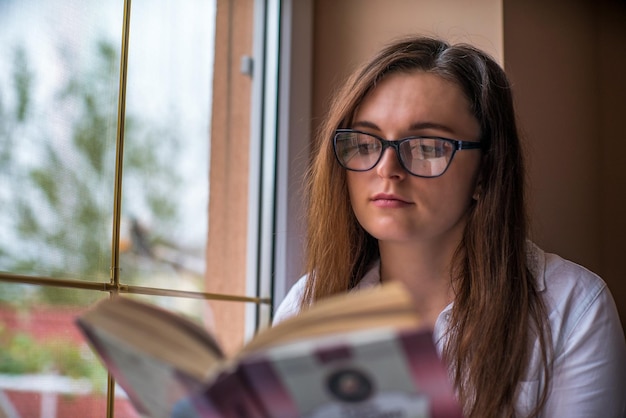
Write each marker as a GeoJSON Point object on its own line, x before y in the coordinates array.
{"type": "Point", "coordinates": [426, 157]}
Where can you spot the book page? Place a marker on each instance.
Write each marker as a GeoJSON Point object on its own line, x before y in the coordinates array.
{"type": "Point", "coordinates": [153, 387]}
{"type": "Point", "coordinates": [156, 332]}
{"type": "Point", "coordinates": [389, 305]}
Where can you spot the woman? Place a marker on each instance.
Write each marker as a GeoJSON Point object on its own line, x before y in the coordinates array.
{"type": "Point", "coordinates": [419, 178]}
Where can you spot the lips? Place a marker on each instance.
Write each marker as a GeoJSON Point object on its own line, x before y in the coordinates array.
{"type": "Point", "coordinates": [389, 200]}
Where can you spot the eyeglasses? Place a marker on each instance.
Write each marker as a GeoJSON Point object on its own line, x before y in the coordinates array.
{"type": "Point", "coordinates": [421, 156]}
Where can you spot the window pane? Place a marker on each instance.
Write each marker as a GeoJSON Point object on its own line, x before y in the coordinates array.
{"type": "Point", "coordinates": [166, 152]}
{"type": "Point", "coordinates": [59, 83]}
{"type": "Point", "coordinates": [59, 66]}
{"type": "Point", "coordinates": [45, 364]}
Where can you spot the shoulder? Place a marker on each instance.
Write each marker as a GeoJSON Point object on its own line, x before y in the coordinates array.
{"type": "Point", "coordinates": [589, 349]}
{"type": "Point", "coordinates": [568, 286]}
{"type": "Point", "coordinates": [290, 305]}
{"type": "Point", "coordinates": [577, 300]}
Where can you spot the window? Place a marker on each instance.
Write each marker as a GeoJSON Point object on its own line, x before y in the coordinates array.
{"type": "Point", "coordinates": [121, 128]}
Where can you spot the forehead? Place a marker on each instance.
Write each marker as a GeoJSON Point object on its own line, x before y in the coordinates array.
{"type": "Point", "coordinates": [404, 99]}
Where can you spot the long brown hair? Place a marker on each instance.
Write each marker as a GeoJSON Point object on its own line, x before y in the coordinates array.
{"type": "Point", "coordinates": [497, 308]}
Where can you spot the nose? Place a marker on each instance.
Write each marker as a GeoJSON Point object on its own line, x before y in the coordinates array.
{"type": "Point", "coordinates": [389, 165]}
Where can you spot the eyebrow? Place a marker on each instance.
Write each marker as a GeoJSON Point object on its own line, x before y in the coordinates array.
{"type": "Point", "coordinates": [413, 127]}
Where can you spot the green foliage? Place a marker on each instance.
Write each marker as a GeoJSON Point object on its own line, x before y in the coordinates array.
{"type": "Point", "coordinates": [58, 169]}
{"type": "Point", "coordinates": [21, 354]}
{"type": "Point", "coordinates": [23, 77]}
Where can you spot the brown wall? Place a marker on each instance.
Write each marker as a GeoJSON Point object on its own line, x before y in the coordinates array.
{"type": "Point", "coordinates": [549, 52]}
{"type": "Point", "coordinates": [347, 32]}
{"type": "Point", "coordinates": [566, 60]}
{"type": "Point", "coordinates": [612, 126]}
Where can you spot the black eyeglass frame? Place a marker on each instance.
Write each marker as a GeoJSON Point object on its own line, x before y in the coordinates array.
{"type": "Point", "coordinates": [395, 144]}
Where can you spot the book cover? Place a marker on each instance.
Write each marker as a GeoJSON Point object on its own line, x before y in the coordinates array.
{"type": "Point", "coordinates": [152, 386]}
{"type": "Point", "coordinates": [362, 354]}
{"type": "Point", "coordinates": [368, 374]}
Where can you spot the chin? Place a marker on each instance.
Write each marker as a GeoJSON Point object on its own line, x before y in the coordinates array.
{"type": "Point", "coordinates": [389, 235]}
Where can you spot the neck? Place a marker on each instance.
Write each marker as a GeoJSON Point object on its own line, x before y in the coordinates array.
{"type": "Point", "coordinates": [424, 268]}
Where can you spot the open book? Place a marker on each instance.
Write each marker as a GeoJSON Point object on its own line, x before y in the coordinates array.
{"type": "Point", "coordinates": [362, 354]}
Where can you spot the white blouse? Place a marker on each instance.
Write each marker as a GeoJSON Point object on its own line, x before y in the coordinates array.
{"type": "Point", "coordinates": [589, 367]}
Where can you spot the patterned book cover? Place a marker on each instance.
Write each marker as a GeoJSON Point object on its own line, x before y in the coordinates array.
{"type": "Point", "coordinates": [374, 374]}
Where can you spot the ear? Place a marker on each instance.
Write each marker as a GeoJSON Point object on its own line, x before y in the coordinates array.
{"type": "Point", "coordinates": [478, 189]}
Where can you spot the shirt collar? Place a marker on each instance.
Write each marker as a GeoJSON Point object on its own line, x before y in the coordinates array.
{"type": "Point", "coordinates": [536, 261]}
{"type": "Point", "coordinates": [371, 278]}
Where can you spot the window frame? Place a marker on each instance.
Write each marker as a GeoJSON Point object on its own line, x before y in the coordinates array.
{"type": "Point", "coordinates": [294, 142]}
{"type": "Point", "coordinates": [279, 142]}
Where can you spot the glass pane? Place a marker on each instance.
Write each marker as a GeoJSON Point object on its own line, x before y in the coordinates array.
{"type": "Point", "coordinates": [59, 66]}
{"type": "Point", "coordinates": [197, 310]}
{"type": "Point", "coordinates": [166, 155]}
{"type": "Point", "coordinates": [208, 314]}
{"type": "Point", "coordinates": [46, 367]}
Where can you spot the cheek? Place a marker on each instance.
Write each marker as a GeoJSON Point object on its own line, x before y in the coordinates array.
{"type": "Point", "coordinates": [464, 190]}
{"type": "Point", "coordinates": [357, 190]}
{"type": "Point", "coordinates": [459, 198]}
{"type": "Point", "coordinates": [466, 171]}
{"type": "Point", "coordinates": [456, 188]}
{"type": "Point", "coordinates": [355, 183]}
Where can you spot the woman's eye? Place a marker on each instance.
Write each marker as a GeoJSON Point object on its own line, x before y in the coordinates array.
{"type": "Point", "coordinates": [428, 149]}
{"type": "Point", "coordinates": [367, 148]}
